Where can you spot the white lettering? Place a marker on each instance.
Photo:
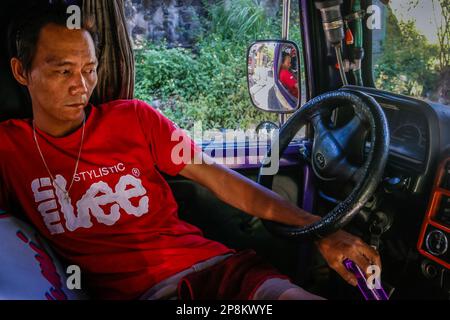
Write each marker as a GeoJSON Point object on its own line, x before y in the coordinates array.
{"type": "Point", "coordinates": [373, 281]}
{"type": "Point", "coordinates": [45, 197]}
{"type": "Point", "coordinates": [74, 21]}
{"type": "Point", "coordinates": [99, 195]}
{"type": "Point", "coordinates": [42, 195]}
{"type": "Point", "coordinates": [48, 208]}
{"type": "Point", "coordinates": [84, 178]}
{"type": "Point", "coordinates": [374, 20]}
{"type": "Point", "coordinates": [91, 202]}
{"type": "Point", "coordinates": [73, 222]}
{"type": "Point", "coordinates": [193, 310]}
{"type": "Point", "coordinates": [124, 196]}
{"type": "Point", "coordinates": [181, 147]}
{"type": "Point", "coordinates": [99, 172]}
{"type": "Point", "coordinates": [74, 280]}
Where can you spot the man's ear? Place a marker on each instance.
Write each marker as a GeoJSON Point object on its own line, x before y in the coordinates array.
{"type": "Point", "coordinates": [18, 71]}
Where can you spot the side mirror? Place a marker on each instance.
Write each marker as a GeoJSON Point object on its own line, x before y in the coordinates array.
{"type": "Point", "coordinates": [273, 75]}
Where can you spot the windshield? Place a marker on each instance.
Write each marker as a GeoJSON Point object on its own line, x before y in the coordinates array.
{"type": "Point", "coordinates": [411, 49]}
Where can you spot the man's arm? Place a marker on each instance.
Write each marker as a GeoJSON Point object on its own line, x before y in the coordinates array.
{"type": "Point", "coordinates": [250, 197]}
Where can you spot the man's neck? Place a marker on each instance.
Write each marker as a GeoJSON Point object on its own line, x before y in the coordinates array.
{"type": "Point", "coordinates": [59, 129]}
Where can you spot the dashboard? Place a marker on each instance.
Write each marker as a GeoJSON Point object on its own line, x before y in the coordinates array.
{"type": "Point", "coordinates": [419, 135]}
{"type": "Point", "coordinates": [434, 236]}
{"type": "Point", "coordinates": [415, 191]}
{"type": "Point", "coordinates": [409, 133]}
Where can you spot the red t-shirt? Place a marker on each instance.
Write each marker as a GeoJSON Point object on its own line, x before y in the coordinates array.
{"type": "Point", "coordinates": [289, 81]}
{"type": "Point", "coordinates": [121, 224]}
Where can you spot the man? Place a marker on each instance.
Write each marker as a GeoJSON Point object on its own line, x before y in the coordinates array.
{"type": "Point", "coordinates": [88, 179]}
{"type": "Point", "coordinates": [286, 77]}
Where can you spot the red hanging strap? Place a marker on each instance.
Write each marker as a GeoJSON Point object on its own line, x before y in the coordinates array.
{"type": "Point", "coordinates": [349, 39]}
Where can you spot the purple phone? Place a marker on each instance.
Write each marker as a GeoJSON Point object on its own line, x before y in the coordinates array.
{"type": "Point", "coordinates": [369, 294]}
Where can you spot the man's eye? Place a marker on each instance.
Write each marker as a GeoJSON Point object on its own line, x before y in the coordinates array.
{"type": "Point", "coordinates": [90, 71]}
{"type": "Point", "coordinates": [63, 72]}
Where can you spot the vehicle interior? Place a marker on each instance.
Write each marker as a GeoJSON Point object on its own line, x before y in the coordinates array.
{"type": "Point", "coordinates": [373, 162]}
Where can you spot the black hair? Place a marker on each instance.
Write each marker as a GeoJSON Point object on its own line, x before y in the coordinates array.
{"type": "Point", "coordinates": [23, 32]}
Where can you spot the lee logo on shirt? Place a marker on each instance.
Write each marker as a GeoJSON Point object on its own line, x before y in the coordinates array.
{"type": "Point", "coordinates": [99, 194]}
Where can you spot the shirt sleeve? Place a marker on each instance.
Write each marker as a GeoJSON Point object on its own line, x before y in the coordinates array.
{"type": "Point", "coordinates": [171, 148]}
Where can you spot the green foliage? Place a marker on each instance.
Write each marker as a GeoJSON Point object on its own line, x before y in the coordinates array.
{"type": "Point", "coordinates": [239, 19]}
{"type": "Point", "coordinates": [409, 63]}
{"type": "Point", "coordinates": [209, 83]}
{"type": "Point", "coordinates": [209, 87]}
{"type": "Point", "coordinates": [442, 8]}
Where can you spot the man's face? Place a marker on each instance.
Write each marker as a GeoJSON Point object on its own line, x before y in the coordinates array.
{"type": "Point", "coordinates": [63, 73]}
{"type": "Point", "coordinates": [287, 62]}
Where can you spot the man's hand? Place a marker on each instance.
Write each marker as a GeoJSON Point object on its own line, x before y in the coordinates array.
{"type": "Point", "coordinates": [250, 197]}
{"type": "Point", "coordinates": [342, 245]}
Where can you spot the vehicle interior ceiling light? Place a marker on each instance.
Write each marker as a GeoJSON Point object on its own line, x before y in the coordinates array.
{"type": "Point", "coordinates": [333, 27]}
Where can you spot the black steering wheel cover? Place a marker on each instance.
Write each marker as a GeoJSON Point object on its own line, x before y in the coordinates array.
{"type": "Point", "coordinates": [373, 167]}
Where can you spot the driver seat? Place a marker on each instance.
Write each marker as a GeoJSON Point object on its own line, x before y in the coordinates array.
{"type": "Point", "coordinates": [15, 99]}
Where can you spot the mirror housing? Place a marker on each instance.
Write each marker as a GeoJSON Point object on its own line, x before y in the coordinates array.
{"type": "Point", "coordinates": [273, 75]}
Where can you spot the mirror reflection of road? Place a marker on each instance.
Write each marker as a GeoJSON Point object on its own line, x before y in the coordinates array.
{"type": "Point", "coordinates": [274, 103]}
{"type": "Point", "coordinates": [264, 92]}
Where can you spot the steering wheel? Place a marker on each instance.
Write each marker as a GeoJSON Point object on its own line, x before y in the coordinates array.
{"type": "Point", "coordinates": [330, 157]}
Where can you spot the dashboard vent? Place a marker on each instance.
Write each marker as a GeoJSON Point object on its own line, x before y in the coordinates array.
{"type": "Point", "coordinates": [443, 214]}
{"type": "Point", "coordinates": [445, 184]}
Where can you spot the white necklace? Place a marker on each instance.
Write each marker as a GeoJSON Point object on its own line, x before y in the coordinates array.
{"type": "Point", "coordinates": [65, 192]}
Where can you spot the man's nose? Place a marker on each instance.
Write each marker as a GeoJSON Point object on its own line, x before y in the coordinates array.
{"type": "Point", "coordinates": [78, 85]}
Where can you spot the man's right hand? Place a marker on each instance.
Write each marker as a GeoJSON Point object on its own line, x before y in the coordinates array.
{"type": "Point", "coordinates": [342, 245]}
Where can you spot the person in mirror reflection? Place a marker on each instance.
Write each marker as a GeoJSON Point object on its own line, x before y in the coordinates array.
{"type": "Point", "coordinates": [287, 78]}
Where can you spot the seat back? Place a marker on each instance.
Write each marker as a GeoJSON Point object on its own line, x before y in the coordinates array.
{"type": "Point", "coordinates": [15, 101]}
{"type": "Point", "coordinates": [29, 269]}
